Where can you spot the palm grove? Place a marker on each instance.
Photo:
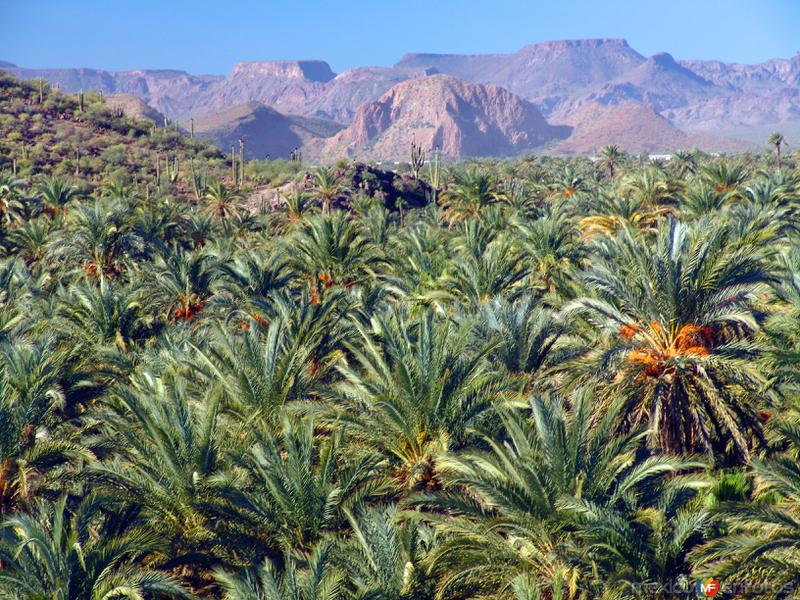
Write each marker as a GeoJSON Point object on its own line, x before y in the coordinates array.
{"type": "Point", "coordinates": [559, 379]}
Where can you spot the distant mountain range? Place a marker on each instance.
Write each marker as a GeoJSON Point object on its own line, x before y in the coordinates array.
{"type": "Point", "coordinates": [566, 96]}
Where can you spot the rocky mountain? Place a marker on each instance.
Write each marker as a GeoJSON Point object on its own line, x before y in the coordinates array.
{"type": "Point", "coordinates": [561, 78]}
{"type": "Point", "coordinates": [134, 107]}
{"type": "Point", "coordinates": [636, 128]}
{"type": "Point", "coordinates": [265, 131]}
{"type": "Point", "coordinates": [463, 119]}
{"type": "Point", "coordinates": [545, 73]}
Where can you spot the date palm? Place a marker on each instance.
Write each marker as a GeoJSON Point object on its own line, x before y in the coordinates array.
{"type": "Point", "coordinates": [385, 555]}
{"type": "Point", "coordinates": [677, 330]}
{"type": "Point", "coordinates": [96, 318]}
{"type": "Point", "coordinates": [300, 485]}
{"type": "Point", "coordinates": [610, 158]}
{"type": "Point", "coordinates": [35, 442]}
{"type": "Point", "coordinates": [183, 282]}
{"type": "Point", "coordinates": [413, 391]}
{"type": "Point", "coordinates": [55, 194]}
{"type": "Point", "coordinates": [12, 207]}
{"type": "Point", "coordinates": [553, 249]}
{"type": "Point", "coordinates": [319, 580]}
{"type": "Point", "coordinates": [99, 242]}
{"type": "Point", "coordinates": [51, 553]}
{"type": "Point", "coordinates": [332, 251]}
{"type": "Point", "coordinates": [480, 272]}
{"type": "Point", "coordinates": [524, 337]}
{"type": "Point", "coordinates": [221, 200]}
{"type": "Point", "coordinates": [514, 503]}
{"type": "Point", "coordinates": [763, 541]}
{"type": "Point", "coordinates": [327, 186]}
{"type": "Point", "coordinates": [166, 453]}
{"type": "Point", "coordinates": [777, 140]}
{"type": "Point", "coordinates": [272, 364]}
{"type": "Point", "coordinates": [471, 190]}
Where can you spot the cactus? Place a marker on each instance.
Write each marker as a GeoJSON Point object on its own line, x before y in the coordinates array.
{"type": "Point", "coordinates": [417, 158]}
{"type": "Point", "coordinates": [77, 162]}
{"type": "Point", "coordinates": [172, 168]}
{"type": "Point", "coordinates": [241, 162]}
{"type": "Point", "coordinates": [199, 182]}
{"type": "Point", "coordinates": [41, 90]}
{"type": "Point", "coordinates": [158, 169]}
{"type": "Point", "coordinates": [81, 100]}
{"type": "Point", "coordinates": [435, 172]}
{"type": "Point", "coordinates": [14, 167]}
{"type": "Point", "coordinates": [233, 167]}
{"type": "Point", "coordinates": [191, 121]}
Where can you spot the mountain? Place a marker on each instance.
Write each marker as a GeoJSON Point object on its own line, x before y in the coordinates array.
{"type": "Point", "coordinates": [461, 118]}
{"type": "Point", "coordinates": [635, 128]}
{"type": "Point", "coordinates": [559, 77]}
{"type": "Point", "coordinates": [265, 131]}
{"type": "Point", "coordinates": [91, 139]}
{"type": "Point", "coordinates": [349, 90]}
{"type": "Point", "coordinates": [134, 108]}
{"type": "Point", "coordinates": [543, 73]}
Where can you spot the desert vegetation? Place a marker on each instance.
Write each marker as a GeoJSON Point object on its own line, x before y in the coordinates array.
{"type": "Point", "coordinates": [547, 378]}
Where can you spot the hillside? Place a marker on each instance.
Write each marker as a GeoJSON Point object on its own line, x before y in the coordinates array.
{"type": "Point", "coordinates": [57, 133]}
{"type": "Point", "coordinates": [558, 76]}
{"type": "Point", "coordinates": [635, 128]}
{"type": "Point", "coordinates": [462, 119]}
{"type": "Point", "coordinates": [265, 131]}
{"type": "Point", "coordinates": [135, 108]}
{"type": "Point", "coordinates": [544, 73]}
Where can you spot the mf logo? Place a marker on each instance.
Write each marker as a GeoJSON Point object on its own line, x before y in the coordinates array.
{"type": "Point", "coordinates": [707, 588]}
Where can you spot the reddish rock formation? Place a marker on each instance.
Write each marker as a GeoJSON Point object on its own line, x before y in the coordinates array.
{"type": "Point", "coordinates": [462, 119]}
{"type": "Point", "coordinates": [635, 128]}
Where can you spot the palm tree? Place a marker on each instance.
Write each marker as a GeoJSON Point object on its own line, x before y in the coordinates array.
{"type": "Point", "coordinates": [333, 252]}
{"type": "Point", "coordinates": [385, 556]}
{"type": "Point", "coordinates": [55, 194]}
{"type": "Point", "coordinates": [300, 486]}
{"type": "Point", "coordinates": [95, 318]}
{"type": "Point", "coordinates": [183, 283]}
{"type": "Point", "coordinates": [11, 206]}
{"type": "Point", "coordinates": [610, 158]}
{"type": "Point", "coordinates": [328, 185]}
{"type": "Point", "coordinates": [320, 580]}
{"type": "Point", "coordinates": [52, 554]}
{"type": "Point", "coordinates": [554, 251]}
{"type": "Point", "coordinates": [271, 365]}
{"type": "Point", "coordinates": [777, 140]}
{"type": "Point", "coordinates": [99, 242]}
{"type": "Point", "coordinates": [413, 393]}
{"type": "Point", "coordinates": [610, 213]}
{"type": "Point", "coordinates": [725, 176]}
{"type": "Point", "coordinates": [471, 190]}
{"type": "Point", "coordinates": [34, 439]}
{"type": "Point", "coordinates": [221, 200]}
{"type": "Point", "coordinates": [516, 504]}
{"type": "Point", "coordinates": [760, 550]}
{"type": "Point", "coordinates": [480, 272]}
{"type": "Point", "coordinates": [524, 337]}
{"type": "Point", "coordinates": [684, 162]}
{"type": "Point", "coordinates": [677, 325]}
{"type": "Point", "coordinates": [167, 452]}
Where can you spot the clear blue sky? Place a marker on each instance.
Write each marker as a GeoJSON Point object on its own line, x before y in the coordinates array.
{"type": "Point", "coordinates": [207, 36]}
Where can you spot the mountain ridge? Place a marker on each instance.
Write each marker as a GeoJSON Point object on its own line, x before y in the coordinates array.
{"type": "Point", "coordinates": [559, 77]}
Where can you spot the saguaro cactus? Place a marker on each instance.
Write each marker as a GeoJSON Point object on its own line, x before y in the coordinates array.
{"type": "Point", "coordinates": [417, 158]}
{"type": "Point", "coordinates": [241, 162]}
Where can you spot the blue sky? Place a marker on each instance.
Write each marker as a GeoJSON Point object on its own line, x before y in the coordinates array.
{"type": "Point", "coordinates": [207, 36]}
